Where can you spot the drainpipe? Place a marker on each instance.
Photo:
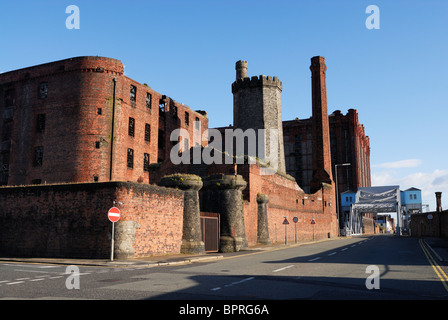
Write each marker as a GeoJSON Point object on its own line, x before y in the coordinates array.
{"type": "Point", "coordinates": [112, 131]}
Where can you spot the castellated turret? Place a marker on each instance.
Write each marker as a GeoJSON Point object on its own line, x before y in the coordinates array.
{"type": "Point", "coordinates": [257, 105]}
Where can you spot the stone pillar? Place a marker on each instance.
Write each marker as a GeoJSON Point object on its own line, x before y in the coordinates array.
{"type": "Point", "coordinates": [191, 231]}
{"type": "Point", "coordinates": [262, 212]}
{"type": "Point", "coordinates": [438, 201]}
{"type": "Point", "coordinates": [223, 194]}
{"type": "Point", "coordinates": [241, 69]}
{"type": "Point", "coordinates": [124, 239]}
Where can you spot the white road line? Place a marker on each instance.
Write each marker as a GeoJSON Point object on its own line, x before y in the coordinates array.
{"type": "Point", "coordinates": [46, 267]}
{"type": "Point", "coordinates": [8, 283]}
{"type": "Point", "coordinates": [353, 245]}
{"type": "Point", "coordinates": [23, 279]}
{"type": "Point", "coordinates": [233, 283]}
{"type": "Point", "coordinates": [287, 267]}
{"type": "Point", "coordinates": [344, 249]}
{"type": "Point", "coordinates": [55, 277]}
{"type": "Point", "coordinates": [4, 281]}
{"type": "Point", "coordinates": [333, 253]}
{"type": "Point", "coordinates": [38, 279]}
{"type": "Point", "coordinates": [314, 259]}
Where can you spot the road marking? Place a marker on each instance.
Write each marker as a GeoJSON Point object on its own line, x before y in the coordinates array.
{"type": "Point", "coordinates": [333, 253]}
{"type": "Point", "coordinates": [17, 282]}
{"type": "Point", "coordinates": [233, 283]}
{"type": "Point", "coordinates": [55, 277]}
{"type": "Point", "coordinates": [353, 245]}
{"type": "Point", "coordinates": [314, 259]}
{"type": "Point", "coordinates": [287, 267]}
{"type": "Point", "coordinates": [344, 249]}
{"type": "Point", "coordinates": [38, 279]}
{"type": "Point", "coordinates": [437, 269]}
{"type": "Point", "coordinates": [23, 279]}
{"type": "Point", "coordinates": [31, 271]}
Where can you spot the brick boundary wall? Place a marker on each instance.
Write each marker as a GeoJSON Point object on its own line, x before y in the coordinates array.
{"type": "Point", "coordinates": [421, 226]}
{"type": "Point", "coordinates": [70, 220]}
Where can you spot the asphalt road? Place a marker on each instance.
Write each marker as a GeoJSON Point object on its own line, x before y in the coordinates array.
{"type": "Point", "coordinates": [358, 268]}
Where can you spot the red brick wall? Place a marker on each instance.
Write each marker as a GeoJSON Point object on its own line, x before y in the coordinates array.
{"type": "Point", "coordinates": [285, 199]}
{"type": "Point", "coordinates": [421, 226]}
{"type": "Point", "coordinates": [70, 220]}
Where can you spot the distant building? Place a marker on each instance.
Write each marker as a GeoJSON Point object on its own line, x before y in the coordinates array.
{"type": "Point", "coordinates": [411, 203]}
{"type": "Point", "coordinates": [348, 144]}
{"type": "Point", "coordinates": [386, 223]}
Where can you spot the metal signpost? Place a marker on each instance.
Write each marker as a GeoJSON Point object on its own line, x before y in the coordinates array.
{"type": "Point", "coordinates": [285, 222]}
{"type": "Point", "coordinates": [114, 216]}
{"type": "Point", "coordinates": [295, 220]}
{"type": "Point", "coordinates": [313, 222]}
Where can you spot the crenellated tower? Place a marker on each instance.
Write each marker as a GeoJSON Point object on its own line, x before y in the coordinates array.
{"type": "Point", "coordinates": [257, 105]}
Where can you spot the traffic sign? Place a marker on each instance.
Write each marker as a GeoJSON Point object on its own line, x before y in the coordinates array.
{"type": "Point", "coordinates": [295, 219]}
{"type": "Point", "coordinates": [430, 216]}
{"type": "Point", "coordinates": [285, 221]}
{"type": "Point", "coordinates": [313, 221]}
{"type": "Point", "coordinates": [114, 214]}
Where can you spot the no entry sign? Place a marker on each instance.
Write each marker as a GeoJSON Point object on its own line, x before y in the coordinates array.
{"type": "Point", "coordinates": [114, 214]}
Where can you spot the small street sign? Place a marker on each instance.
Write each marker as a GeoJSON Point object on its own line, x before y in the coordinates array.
{"type": "Point", "coordinates": [295, 219]}
{"type": "Point", "coordinates": [430, 216]}
{"type": "Point", "coordinates": [114, 214]}
{"type": "Point", "coordinates": [313, 221]}
{"type": "Point", "coordinates": [285, 221]}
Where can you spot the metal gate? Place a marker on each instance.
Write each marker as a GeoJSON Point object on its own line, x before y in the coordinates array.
{"type": "Point", "coordinates": [210, 231]}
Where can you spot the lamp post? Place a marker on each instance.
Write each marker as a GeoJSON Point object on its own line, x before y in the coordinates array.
{"type": "Point", "coordinates": [336, 189]}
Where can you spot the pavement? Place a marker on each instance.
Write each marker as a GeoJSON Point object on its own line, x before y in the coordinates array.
{"type": "Point", "coordinates": [438, 246]}
{"type": "Point", "coordinates": [154, 261]}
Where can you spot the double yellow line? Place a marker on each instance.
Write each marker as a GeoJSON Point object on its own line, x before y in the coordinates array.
{"type": "Point", "coordinates": [438, 270]}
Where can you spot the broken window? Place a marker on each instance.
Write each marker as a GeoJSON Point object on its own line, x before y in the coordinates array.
{"type": "Point", "coordinates": [10, 97]}
{"type": "Point", "coordinates": [131, 129]}
{"type": "Point", "coordinates": [43, 90]}
{"type": "Point", "coordinates": [147, 132]}
{"type": "Point", "coordinates": [133, 93]}
{"type": "Point", "coordinates": [162, 106]}
{"type": "Point", "coordinates": [197, 124]}
{"type": "Point", "coordinates": [174, 111]}
{"type": "Point", "coordinates": [146, 162]}
{"type": "Point", "coordinates": [187, 119]}
{"type": "Point", "coordinates": [161, 142]}
{"type": "Point", "coordinates": [38, 156]}
{"type": "Point", "coordinates": [130, 159]}
{"type": "Point", "coordinates": [40, 128]}
{"type": "Point", "coordinates": [148, 100]}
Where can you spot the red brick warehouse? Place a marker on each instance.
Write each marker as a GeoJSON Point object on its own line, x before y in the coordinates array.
{"type": "Point", "coordinates": [82, 119]}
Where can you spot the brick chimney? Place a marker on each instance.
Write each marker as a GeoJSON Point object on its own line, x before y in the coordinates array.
{"type": "Point", "coordinates": [438, 201]}
{"type": "Point", "coordinates": [322, 172]}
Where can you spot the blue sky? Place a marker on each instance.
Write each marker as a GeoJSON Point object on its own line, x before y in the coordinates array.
{"type": "Point", "coordinates": [395, 76]}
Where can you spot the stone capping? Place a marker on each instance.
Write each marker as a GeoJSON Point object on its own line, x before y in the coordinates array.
{"type": "Point", "coordinates": [262, 198]}
{"type": "Point", "coordinates": [222, 181]}
{"type": "Point", "coordinates": [182, 181]}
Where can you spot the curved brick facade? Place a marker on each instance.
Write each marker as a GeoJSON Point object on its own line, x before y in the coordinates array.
{"type": "Point", "coordinates": [57, 123]}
